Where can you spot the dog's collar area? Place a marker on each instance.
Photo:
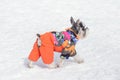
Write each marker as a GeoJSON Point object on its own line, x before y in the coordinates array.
{"type": "Point", "coordinates": [70, 30]}
{"type": "Point", "coordinates": [73, 37]}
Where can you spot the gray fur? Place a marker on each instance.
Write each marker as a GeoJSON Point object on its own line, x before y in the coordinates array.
{"type": "Point", "coordinates": [78, 27]}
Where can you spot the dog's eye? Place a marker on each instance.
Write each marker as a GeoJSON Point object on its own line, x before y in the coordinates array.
{"type": "Point", "coordinates": [81, 24]}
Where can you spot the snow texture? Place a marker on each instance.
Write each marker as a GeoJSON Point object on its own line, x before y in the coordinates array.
{"type": "Point", "coordinates": [20, 20]}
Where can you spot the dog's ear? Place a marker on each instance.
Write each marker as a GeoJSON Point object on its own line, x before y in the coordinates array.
{"type": "Point", "coordinates": [72, 21]}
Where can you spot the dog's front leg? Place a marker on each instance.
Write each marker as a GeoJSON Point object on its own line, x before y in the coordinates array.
{"type": "Point", "coordinates": [78, 59]}
{"type": "Point", "coordinates": [60, 64]}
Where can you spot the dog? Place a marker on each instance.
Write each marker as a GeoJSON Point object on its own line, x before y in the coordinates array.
{"type": "Point", "coordinates": [63, 42]}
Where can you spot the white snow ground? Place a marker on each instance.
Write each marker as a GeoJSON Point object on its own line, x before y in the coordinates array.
{"type": "Point", "coordinates": [20, 20]}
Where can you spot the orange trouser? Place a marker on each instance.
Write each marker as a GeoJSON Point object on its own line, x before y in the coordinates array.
{"type": "Point", "coordinates": [45, 50]}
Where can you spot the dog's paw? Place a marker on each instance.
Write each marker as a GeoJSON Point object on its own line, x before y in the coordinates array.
{"type": "Point", "coordinates": [58, 65]}
{"type": "Point", "coordinates": [30, 64]}
{"type": "Point", "coordinates": [52, 66]}
{"type": "Point", "coordinates": [80, 61]}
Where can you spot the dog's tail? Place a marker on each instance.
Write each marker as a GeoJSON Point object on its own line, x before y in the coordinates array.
{"type": "Point", "coordinates": [38, 35]}
{"type": "Point", "coordinates": [39, 40]}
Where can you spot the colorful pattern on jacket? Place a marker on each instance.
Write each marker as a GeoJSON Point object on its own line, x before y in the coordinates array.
{"type": "Point", "coordinates": [60, 37]}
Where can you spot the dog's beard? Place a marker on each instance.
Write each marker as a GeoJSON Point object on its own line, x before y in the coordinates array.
{"type": "Point", "coordinates": [86, 32]}
{"type": "Point", "coordinates": [83, 33]}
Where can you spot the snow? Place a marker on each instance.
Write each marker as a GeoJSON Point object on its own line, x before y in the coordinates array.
{"type": "Point", "coordinates": [20, 20]}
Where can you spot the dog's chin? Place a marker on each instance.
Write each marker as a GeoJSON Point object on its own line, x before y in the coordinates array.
{"type": "Point", "coordinates": [86, 32]}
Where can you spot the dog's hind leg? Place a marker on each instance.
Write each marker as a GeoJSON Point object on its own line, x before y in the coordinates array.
{"type": "Point", "coordinates": [78, 59]}
{"type": "Point", "coordinates": [35, 53]}
{"type": "Point", "coordinates": [30, 64]}
{"type": "Point", "coordinates": [52, 66]}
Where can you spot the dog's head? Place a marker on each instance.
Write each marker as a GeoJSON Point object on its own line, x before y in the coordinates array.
{"type": "Point", "coordinates": [79, 28]}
